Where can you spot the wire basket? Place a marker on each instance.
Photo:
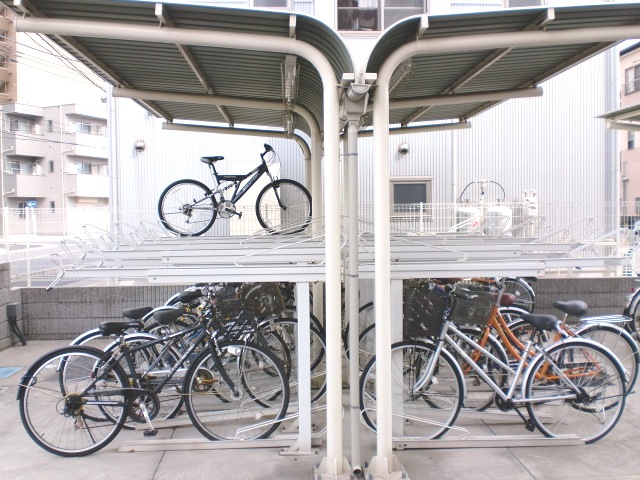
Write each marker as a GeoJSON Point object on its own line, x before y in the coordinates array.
{"type": "Point", "coordinates": [424, 311]}
{"type": "Point", "coordinates": [265, 298]}
{"type": "Point", "coordinates": [233, 319]}
{"type": "Point", "coordinates": [471, 305]}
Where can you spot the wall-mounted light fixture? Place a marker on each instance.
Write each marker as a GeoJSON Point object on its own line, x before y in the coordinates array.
{"type": "Point", "coordinates": [403, 147]}
{"type": "Point", "coordinates": [139, 146]}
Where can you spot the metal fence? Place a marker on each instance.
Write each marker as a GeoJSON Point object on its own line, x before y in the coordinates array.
{"type": "Point", "coordinates": [33, 238]}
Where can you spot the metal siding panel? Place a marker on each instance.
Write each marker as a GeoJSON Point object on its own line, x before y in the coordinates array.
{"type": "Point", "coordinates": [172, 155]}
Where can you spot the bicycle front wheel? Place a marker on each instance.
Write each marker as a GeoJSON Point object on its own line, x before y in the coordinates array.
{"type": "Point", "coordinates": [69, 406]}
{"type": "Point", "coordinates": [284, 206]}
{"type": "Point", "coordinates": [422, 407]}
{"type": "Point", "coordinates": [550, 390]}
{"type": "Point", "coordinates": [187, 208]}
{"type": "Point", "coordinates": [248, 404]}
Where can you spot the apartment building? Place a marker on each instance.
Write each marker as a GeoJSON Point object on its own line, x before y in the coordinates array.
{"type": "Point", "coordinates": [629, 139]}
{"type": "Point", "coordinates": [53, 158]}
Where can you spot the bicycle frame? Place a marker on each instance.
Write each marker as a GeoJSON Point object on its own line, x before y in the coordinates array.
{"type": "Point", "coordinates": [238, 180]}
{"type": "Point", "coordinates": [531, 346]}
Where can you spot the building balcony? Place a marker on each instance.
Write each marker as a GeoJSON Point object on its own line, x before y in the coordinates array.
{"type": "Point", "coordinates": [26, 186]}
{"type": "Point", "coordinates": [87, 145]}
{"type": "Point", "coordinates": [26, 145]}
{"type": "Point", "coordinates": [90, 186]}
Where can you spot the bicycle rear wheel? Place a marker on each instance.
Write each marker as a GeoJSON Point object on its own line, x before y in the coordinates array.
{"type": "Point", "coordinates": [594, 411]}
{"type": "Point", "coordinates": [426, 412]}
{"type": "Point", "coordinates": [525, 296]}
{"type": "Point", "coordinates": [284, 206]}
{"type": "Point", "coordinates": [287, 328]}
{"type": "Point", "coordinates": [621, 344]}
{"type": "Point", "coordinates": [64, 409]}
{"type": "Point", "coordinates": [252, 407]}
{"type": "Point", "coordinates": [187, 208]}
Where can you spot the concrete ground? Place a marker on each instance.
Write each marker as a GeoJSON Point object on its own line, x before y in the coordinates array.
{"type": "Point", "coordinates": [616, 456]}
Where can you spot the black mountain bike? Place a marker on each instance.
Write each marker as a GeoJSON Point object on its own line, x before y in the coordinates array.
{"type": "Point", "coordinates": [189, 207]}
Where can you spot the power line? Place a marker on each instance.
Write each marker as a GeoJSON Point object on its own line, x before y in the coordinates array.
{"type": "Point", "coordinates": [28, 138]}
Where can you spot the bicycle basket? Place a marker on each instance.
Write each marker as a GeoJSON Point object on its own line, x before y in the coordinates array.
{"type": "Point", "coordinates": [471, 305]}
{"type": "Point", "coordinates": [423, 311]}
{"type": "Point", "coordinates": [265, 298]}
{"type": "Point", "coordinates": [233, 319]}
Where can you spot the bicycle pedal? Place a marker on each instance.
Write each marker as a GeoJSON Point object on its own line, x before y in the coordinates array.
{"type": "Point", "coordinates": [150, 433]}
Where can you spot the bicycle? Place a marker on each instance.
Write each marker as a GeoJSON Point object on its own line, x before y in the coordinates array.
{"type": "Point", "coordinates": [189, 208]}
{"type": "Point", "coordinates": [575, 386]}
{"type": "Point", "coordinates": [75, 399]}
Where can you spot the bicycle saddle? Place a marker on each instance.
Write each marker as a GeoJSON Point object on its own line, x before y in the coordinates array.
{"type": "Point", "coordinates": [575, 308]}
{"type": "Point", "coordinates": [211, 160]}
{"type": "Point", "coordinates": [164, 317]}
{"type": "Point", "coordinates": [116, 328]}
{"type": "Point", "coordinates": [136, 313]}
{"type": "Point", "coordinates": [542, 322]}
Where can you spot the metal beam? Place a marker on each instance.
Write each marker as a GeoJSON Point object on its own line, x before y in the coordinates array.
{"type": "Point", "coordinates": [165, 20]}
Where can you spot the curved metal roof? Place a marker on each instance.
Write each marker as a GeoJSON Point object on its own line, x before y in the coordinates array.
{"type": "Point", "coordinates": [200, 70]}
{"type": "Point", "coordinates": [476, 70]}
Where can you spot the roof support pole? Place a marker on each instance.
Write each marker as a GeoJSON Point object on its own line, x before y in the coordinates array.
{"type": "Point", "coordinates": [384, 464]}
{"type": "Point", "coordinates": [334, 463]}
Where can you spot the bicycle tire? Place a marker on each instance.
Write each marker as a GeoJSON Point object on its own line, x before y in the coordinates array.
{"type": "Point", "coordinates": [595, 371]}
{"type": "Point", "coordinates": [366, 318]}
{"type": "Point", "coordinates": [56, 402]}
{"type": "Point", "coordinates": [621, 344]}
{"type": "Point", "coordinates": [288, 330]}
{"type": "Point", "coordinates": [187, 208]}
{"type": "Point", "coordinates": [435, 408]}
{"type": "Point", "coordinates": [524, 293]}
{"type": "Point", "coordinates": [220, 414]}
{"type": "Point", "coordinates": [296, 215]}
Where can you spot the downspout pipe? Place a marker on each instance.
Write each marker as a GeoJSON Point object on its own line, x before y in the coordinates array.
{"type": "Point", "coordinates": [334, 463]}
{"type": "Point", "coordinates": [383, 462]}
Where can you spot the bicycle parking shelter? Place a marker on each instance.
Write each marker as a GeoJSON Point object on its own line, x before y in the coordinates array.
{"type": "Point", "coordinates": [452, 58]}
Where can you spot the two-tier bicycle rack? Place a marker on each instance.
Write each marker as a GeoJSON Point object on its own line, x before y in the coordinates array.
{"type": "Point", "coordinates": [145, 251]}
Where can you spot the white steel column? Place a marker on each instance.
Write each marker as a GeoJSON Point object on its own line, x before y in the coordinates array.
{"type": "Point", "coordinates": [334, 463]}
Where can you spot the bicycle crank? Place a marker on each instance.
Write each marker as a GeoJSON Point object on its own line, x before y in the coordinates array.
{"type": "Point", "coordinates": [227, 209]}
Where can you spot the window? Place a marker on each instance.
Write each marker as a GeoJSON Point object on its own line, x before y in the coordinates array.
{"type": "Point", "coordinates": [50, 166]}
{"type": "Point", "coordinates": [83, 168]}
{"type": "Point", "coordinates": [22, 206]}
{"type": "Point", "coordinates": [25, 126]}
{"type": "Point", "coordinates": [270, 3]}
{"type": "Point", "coordinates": [83, 127]}
{"type": "Point", "coordinates": [410, 196]}
{"type": "Point", "coordinates": [14, 167]}
{"type": "Point", "coordinates": [632, 80]}
{"type": "Point", "coordinates": [631, 140]}
{"type": "Point", "coordinates": [374, 15]}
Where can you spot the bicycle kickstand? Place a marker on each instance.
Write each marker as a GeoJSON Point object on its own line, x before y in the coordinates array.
{"type": "Point", "coordinates": [149, 432]}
